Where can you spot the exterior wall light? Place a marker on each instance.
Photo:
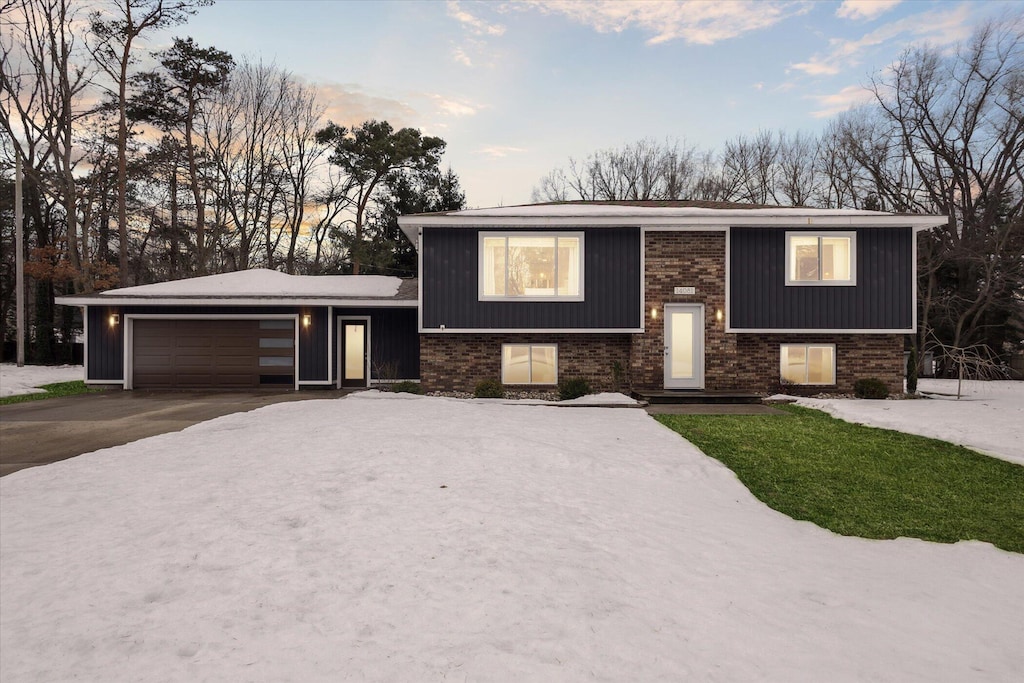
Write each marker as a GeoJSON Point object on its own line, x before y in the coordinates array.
{"type": "Point", "coordinates": [114, 319]}
{"type": "Point", "coordinates": [307, 320]}
{"type": "Point", "coordinates": [718, 315]}
{"type": "Point", "coordinates": [654, 313]}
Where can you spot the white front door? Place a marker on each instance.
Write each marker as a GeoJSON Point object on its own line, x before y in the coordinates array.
{"type": "Point", "coordinates": [684, 346]}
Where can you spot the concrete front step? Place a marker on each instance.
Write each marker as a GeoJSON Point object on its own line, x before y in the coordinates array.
{"type": "Point", "coordinates": [690, 397]}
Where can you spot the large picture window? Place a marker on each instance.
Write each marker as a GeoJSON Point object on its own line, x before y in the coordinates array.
{"type": "Point", "coordinates": [808, 363]}
{"type": "Point", "coordinates": [531, 266]}
{"type": "Point", "coordinates": [529, 364]}
{"type": "Point", "coordinates": [821, 259]}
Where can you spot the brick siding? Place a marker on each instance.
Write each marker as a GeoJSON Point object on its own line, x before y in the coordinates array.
{"type": "Point", "coordinates": [456, 362]}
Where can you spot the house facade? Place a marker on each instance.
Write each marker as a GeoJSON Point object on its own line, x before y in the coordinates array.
{"type": "Point", "coordinates": [639, 296]}
{"type": "Point", "coordinates": [665, 295]}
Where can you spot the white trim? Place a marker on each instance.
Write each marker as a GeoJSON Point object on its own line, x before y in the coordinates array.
{"type": "Point", "coordinates": [794, 330]}
{"type": "Point", "coordinates": [129, 319]}
{"type": "Point", "coordinates": [820, 235]}
{"type": "Point", "coordinates": [481, 296]}
{"type": "Point", "coordinates": [394, 381]}
{"type": "Point", "coordinates": [531, 330]}
{"type": "Point", "coordinates": [103, 381]}
{"type": "Point", "coordinates": [530, 346]}
{"type": "Point", "coordinates": [104, 300]}
{"type": "Point", "coordinates": [722, 219]}
{"type": "Point", "coordinates": [85, 345]}
{"type": "Point", "coordinates": [686, 228]}
{"type": "Point", "coordinates": [367, 371]}
{"type": "Point", "coordinates": [315, 382]}
{"type": "Point", "coordinates": [807, 346]}
{"type": "Point", "coordinates": [698, 341]}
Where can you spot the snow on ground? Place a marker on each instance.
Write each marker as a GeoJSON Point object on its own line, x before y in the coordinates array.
{"type": "Point", "coordinates": [396, 537]}
{"type": "Point", "coordinates": [989, 417]}
{"type": "Point", "coordinates": [265, 282]}
{"type": "Point", "coordinates": [24, 380]}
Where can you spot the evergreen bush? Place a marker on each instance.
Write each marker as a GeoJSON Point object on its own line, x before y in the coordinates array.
{"type": "Point", "coordinates": [870, 387]}
{"type": "Point", "coordinates": [573, 388]}
{"type": "Point", "coordinates": [489, 388]}
{"type": "Point", "coordinates": [407, 387]}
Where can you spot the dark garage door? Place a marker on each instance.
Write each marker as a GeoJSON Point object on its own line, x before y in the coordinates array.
{"type": "Point", "coordinates": [229, 354]}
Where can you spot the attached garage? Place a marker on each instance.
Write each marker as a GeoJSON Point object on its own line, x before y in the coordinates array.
{"type": "Point", "coordinates": [198, 353]}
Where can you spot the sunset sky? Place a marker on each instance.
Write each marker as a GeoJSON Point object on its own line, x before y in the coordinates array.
{"type": "Point", "coordinates": [516, 88]}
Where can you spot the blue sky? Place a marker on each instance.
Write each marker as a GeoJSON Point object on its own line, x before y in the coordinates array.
{"type": "Point", "coordinates": [516, 88]}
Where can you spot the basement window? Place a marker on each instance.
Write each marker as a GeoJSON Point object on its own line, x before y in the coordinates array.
{"type": "Point", "coordinates": [529, 364]}
{"type": "Point", "coordinates": [808, 363]}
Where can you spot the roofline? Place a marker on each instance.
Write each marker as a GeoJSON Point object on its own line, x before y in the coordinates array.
{"type": "Point", "coordinates": [724, 218]}
{"type": "Point", "coordinates": [104, 300]}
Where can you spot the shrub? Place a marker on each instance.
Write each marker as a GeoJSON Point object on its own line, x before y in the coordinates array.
{"type": "Point", "coordinates": [912, 371]}
{"type": "Point", "coordinates": [870, 387]}
{"type": "Point", "coordinates": [407, 387]}
{"type": "Point", "coordinates": [573, 388]}
{"type": "Point", "coordinates": [618, 375]}
{"type": "Point", "coordinates": [784, 386]}
{"type": "Point", "coordinates": [489, 388]}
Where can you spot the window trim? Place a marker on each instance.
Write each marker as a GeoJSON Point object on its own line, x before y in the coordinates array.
{"type": "Point", "coordinates": [482, 235]}
{"type": "Point", "coordinates": [531, 382]}
{"type": "Point", "coordinates": [852, 282]}
{"type": "Point", "coordinates": [807, 348]}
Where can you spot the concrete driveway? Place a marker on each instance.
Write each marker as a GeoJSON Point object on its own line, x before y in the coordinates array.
{"type": "Point", "coordinates": [41, 432]}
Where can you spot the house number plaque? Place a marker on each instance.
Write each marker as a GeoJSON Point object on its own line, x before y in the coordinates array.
{"type": "Point", "coordinates": [686, 290]}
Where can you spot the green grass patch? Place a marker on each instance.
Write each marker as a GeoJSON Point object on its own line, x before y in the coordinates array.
{"type": "Point", "coordinates": [862, 481]}
{"type": "Point", "coordinates": [56, 390]}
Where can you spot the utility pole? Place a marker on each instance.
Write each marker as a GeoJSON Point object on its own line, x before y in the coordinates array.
{"type": "Point", "coordinates": [19, 260]}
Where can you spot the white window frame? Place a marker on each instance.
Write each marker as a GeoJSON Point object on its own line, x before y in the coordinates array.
{"type": "Point", "coordinates": [852, 282]}
{"type": "Point", "coordinates": [531, 382]}
{"type": "Point", "coordinates": [807, 348]}
{"type": "Point", "coordinates": [505, 297]}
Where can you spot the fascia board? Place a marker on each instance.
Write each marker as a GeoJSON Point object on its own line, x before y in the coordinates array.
{"type": "Point", "coordinates": [674, 222]}
{"type": "Point", "coordinates": [100, 300]}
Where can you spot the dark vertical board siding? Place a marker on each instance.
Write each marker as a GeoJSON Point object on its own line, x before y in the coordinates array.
{"type": "Point", "coordinates": [106, 344]}
{"type": "Point", "coordinates": [611, 281]}
{"type": "Point", "coordinates": [881, 299]}
{"type": "Point", "coordinates": [313, 343]}
{"type": "Point", "coordinates": [394, 339]}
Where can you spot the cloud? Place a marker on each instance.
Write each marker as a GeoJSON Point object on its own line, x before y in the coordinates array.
{"type": "Point", "coordinates": [461, 57]}
{"type": "Point", "coordinates": [848, 97]}
{"type": "Point", "coordinates": [473, 24]}
{"type": "Point", "coordinates": [348, 105]}
{"type": "Point", "coordinates": [453, 107]}
{"type": "Point", "coordinates": [938, 27]}
{"type": "Point", "coordinates": [499, 151]}
{"type": "Point", "coordinates": [701, 22]}
{"type": "Point", "coordinates": [865, 9]}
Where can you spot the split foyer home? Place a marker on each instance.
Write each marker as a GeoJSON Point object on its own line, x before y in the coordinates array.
{"type": "Point", "coordinates": [648, 295]}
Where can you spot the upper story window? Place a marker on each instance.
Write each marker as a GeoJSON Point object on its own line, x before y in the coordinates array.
{"type": "Point", "coordinates": [531, 266]}
{"type": "Point", "coordinates": [828, 258]}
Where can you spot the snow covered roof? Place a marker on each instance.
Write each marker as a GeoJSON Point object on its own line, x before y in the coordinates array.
{"type": "Point", "coordinates": [663, 214]}
{"type": "Point", "coordinates": [261, 286]}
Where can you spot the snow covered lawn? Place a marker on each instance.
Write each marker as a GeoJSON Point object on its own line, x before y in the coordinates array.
{"type": "Point", "coordinates": [989, 417]}
{"type": "Point", "coordinates": [24, 380]}
{"type": "Point", "coordinates": [396, 537]}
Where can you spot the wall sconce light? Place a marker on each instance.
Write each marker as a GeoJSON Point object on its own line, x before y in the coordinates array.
{"type": "Point", "coordinates": [114, 319]}
{"type": "Point", "coordinates": [654, 313]}
{"type": "Point", "coordinates": [307, 320]}
{"type": "Point", "coordinates": [718, 315]}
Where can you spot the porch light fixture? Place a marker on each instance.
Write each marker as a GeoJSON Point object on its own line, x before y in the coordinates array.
{"type": "Point", "coordinates": [114, 319]}
{"type": "Point", "coordinates": [718, 315]}
{"type": "Point", "coordinates": [654, 313]}
{"type": "Point", "coordinates": [307, 320]}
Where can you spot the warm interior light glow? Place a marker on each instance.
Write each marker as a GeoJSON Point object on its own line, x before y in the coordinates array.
{"type": "Point", "coordinates": [718, 315]}
{"type": "Point", "coordinates": [307, 320]}
{"type": "Point", "coordinates": [114, 319]}
{"type": "Point", "coordinates": [654, 313]}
